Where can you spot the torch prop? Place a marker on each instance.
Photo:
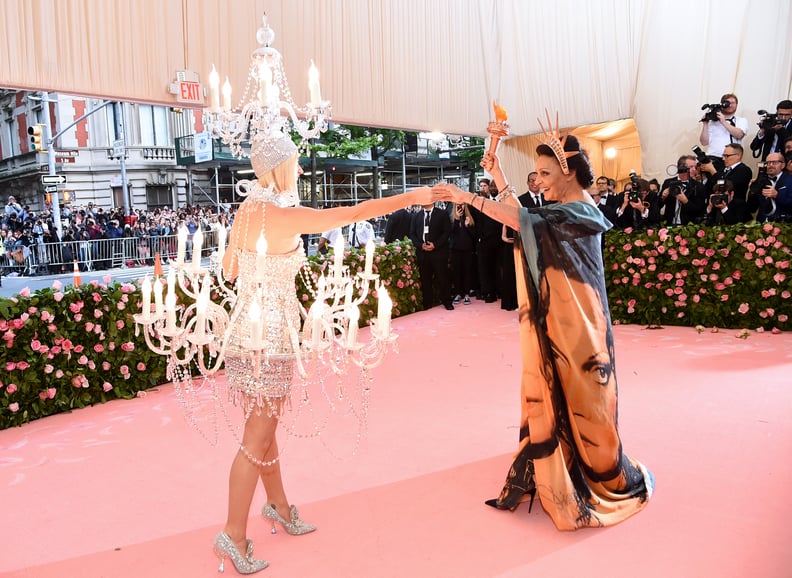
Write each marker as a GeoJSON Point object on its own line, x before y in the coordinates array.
{"type": "Point", "coordinates": [497, 128]}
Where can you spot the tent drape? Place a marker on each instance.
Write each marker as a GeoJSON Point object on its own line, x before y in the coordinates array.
{"type": "Point", "coordinates": [428, 64]}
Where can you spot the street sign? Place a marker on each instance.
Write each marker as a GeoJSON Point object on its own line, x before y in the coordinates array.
{"type": "Point", "coordinates": [119, 148]}
{"type": "Point", "coordinates": [67, 154]}
{"type": "Point", "coordinates": [53, 179]}
{"type": "Point", "coordinates": [51, 189]}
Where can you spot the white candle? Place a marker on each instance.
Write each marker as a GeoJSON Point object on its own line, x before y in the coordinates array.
{"type": "Point", "coordinates": [338, 257]}
{"type": "Point", "coordinates": [254, 315]}
{"type": "Point", "coordinates": [227, 95]}
{"type": "Point", "coordinates": [181, 248]}
{"type": "Point", "coordinates": [348, 294]}
{"type": "Point", "coordinates": [369, 257]}
{"type": "Point", "coordinates": [201, 305]}
{"type": "Point", "coordinates": [317, 327]}
{"type": "Point", "coordinates": [313, 86]}
{"type": "Point", "coordinates": [170, 309]}
{"type": "Point", "coordinates": [265, 84]}
{"type": "Point", "coordinates": [158, 296]}
{"type": "Point", "coordinates": [221, 241]}
{"type": "Point", "coordinates": [261, 259]}
{"type": "Point", "coordinates": [214, 90]}
{"type": "Point", "coordinates": [383, 312]}
{"type": "Point", "coordinates": [354, 317]}
{"type": "Point", "coordinates": [197, 248]}
{"type": "Point", "coordinates": [172, 282]}
{"type": "Point", "coordinates": [146, 289]}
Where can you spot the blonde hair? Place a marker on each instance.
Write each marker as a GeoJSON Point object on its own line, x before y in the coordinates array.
{"type": "Point", "coordinates": [284, 176]}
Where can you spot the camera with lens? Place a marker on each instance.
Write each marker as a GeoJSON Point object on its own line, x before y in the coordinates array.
{"type": "Point", "coordinates": [712, 111]}
{"type": "Point", "coordinates": [768, 121]}
{"type": "Point", "coordinates": [634, 178]}
{"type": "Point", "coordinates": [762, 179]}
{"type": "Point", "coordinates": [634, 196]}
{"type": "Point", "coordinates": [701, 156]}
{"type": "Point", "coordinates": [720, 194]}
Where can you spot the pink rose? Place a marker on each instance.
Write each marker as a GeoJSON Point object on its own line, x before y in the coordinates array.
{"type": "Point", "coordinates": [13, 407]}
{"type": "Point", "coordinates": [782, 317]}
{"type": "Point", "coordinates": [97, 313]}
{"type": "Point", "coordinates": [25, 292]}
{"type": "Point", "coordinates": [141, 366]}
{"type": "Point", "coordinates": [98, 348]}
{"type": "Point", "coordinates": [724, 297]}
{"type": "Point", "coordinates": [78, 317]}
{"type": "Point", "coordinates": [10, 366]}
{"type": "Point", "coordinates": [22, 365]}
{"type": "Point", "coordinates": [743, 308]}
{"type": "Point", "coordinates": [700, 234]}
{"type": "Point", "coordinates": [106, 386]}
{"type": "Point", "coordinates": [11, 388]}
{"type": "Point", "coordinates": [59, 373]}
{"type": "Point", "coordinates": [48, 368]}
{"type": "Point", "coordinates": [89, 327]}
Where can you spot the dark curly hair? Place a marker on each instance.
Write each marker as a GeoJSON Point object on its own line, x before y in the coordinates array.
{"type": "Point", "coordinates": [578, 163]}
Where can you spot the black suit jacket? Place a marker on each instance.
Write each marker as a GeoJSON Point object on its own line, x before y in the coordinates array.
{"type": "Point", "coordinates": [761, 147]}
{"type": "Point", "coordinates": [439, 230]}
{"type": "Point", "coordinates": [691, 212]}
{"type": "Point", "coordinates": [737, 212]}
{"type": "Point", "coordinates": [398, 226]}
{"type": "Point", "coordinates": [526, 200]}
{"type": "Point", "coordinates": [740, 176]}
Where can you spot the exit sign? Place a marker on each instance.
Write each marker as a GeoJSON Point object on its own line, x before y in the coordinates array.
{"type": "Point", "coordinates": [189, 92]}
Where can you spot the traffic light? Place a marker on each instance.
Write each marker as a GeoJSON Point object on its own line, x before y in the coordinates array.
{"type": "Point", "coordinates": [36, 133]}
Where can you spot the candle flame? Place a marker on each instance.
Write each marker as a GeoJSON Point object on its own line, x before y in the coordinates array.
{"type": "Point", "coordinates": [500, 112]}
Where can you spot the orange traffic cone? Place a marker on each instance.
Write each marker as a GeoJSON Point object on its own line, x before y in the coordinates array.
{"type": "Point", "coordinates": [77, 279]}
{"type": "Point", "coordinates": [157, 265]}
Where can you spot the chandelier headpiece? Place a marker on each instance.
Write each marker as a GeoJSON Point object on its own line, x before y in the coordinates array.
{"type": "Point", "coordinates": [266, 110]}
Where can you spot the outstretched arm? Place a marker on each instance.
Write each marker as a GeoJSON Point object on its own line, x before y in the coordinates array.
{"type": "Point", "coordinates": [288, 221]}
{"type": "Point", "coordinates": [505, 213]}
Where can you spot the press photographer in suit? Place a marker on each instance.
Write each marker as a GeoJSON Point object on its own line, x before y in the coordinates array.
{"type": "Point", "coordinates": [724, 208]}
{"type": "Point", "coordinates": [682, 199]}
{"type": "Point", "coordinates": [774, 129]}
{"type": "Point", "coordinates": [771, 192]}
{"type": "Point", "coordinates": [734, 170]}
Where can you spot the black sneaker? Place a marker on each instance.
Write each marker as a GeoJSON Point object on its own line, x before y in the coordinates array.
{"type": "Point", "coordinates": [467, 300]}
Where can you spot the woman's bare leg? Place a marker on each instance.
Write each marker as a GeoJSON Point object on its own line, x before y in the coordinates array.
{"type": "Point", "coordinates": [273, 482]}
{"type": "Point", "coordinates": [258, 438]}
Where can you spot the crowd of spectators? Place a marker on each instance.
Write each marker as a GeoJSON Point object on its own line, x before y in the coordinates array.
{"type": "Point", "coordinates": [98, 239]}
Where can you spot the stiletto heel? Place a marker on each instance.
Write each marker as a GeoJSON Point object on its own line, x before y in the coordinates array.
{"type": "Point", "coordinates": [224, 547]}
{"type": "Point", "coordinates": [295, 526]}
{"type": "Point", "coordinates": [533, 495]}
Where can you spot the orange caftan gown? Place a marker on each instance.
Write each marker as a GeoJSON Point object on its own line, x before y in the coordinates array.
{"type": "Point", "coordinates": [570, 449]}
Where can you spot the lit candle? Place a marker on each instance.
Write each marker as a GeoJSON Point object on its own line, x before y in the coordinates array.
{"type": "Point", "coordinates": [201, 305]}
{"type": "Point", "coordinates": [170, 309]}
{"type": "Point", "coordinates": [214, 90]}
{"type": "Point", "coordinates": [254, 315]}
{"type": "Point", "coordinates": [146, 288]}
{"type": "Point", "coordinates": [265, 84]}
{"type": "Point", "coordinates": [313, 85]}
{"type": "Point", "coordinates": [338, 257]}
{"type": "Point", "coordinates": [316, 329]}
{"type": "Point", "coordinates": [172, 282]}
{"type": "Point", "coordinates": [221, 241]}
{"type": "Point", "coordinates": [354, 317]}
{"type": "Point", "coordinates": [181, 248]}
{"type": "Point", "coordinates": [158, 296]}
{"type": "Point", "coordinates": [369, 257]}
{"type": "Point", "coordinates": [383, 312]}
{"type": "Point", "coordinates": [227, 95]}
{"type": "Point", "coordinates": [197, 248]}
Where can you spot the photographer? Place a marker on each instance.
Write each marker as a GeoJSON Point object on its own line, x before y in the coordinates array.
{"type": "Point", "coordinates": [640, 207]}
{"type": "Point", "coordinates": [682, 199]}
{"type": "Point", "coordinates": [720, 127]}
{"type": "Point", "coordinates": [724, 207]}
{"type": "Point", "coordinates": [734, 170]}
{"type": "Point", "coordinates": [774, 129]}
{"type": "Point", "coordinates": [771, 193]}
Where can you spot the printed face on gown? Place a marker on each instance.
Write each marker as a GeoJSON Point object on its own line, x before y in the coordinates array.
{"type": "Point", "coordinates": [585, 366]}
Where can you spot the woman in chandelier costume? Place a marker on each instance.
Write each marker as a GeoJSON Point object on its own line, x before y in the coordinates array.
{"type": "Point", "coordinates": [272, 209]}
{"type": "Point", "coordinates": [570, 450]}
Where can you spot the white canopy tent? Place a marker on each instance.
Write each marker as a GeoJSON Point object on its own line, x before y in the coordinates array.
{"type": "Point", "coordinates": [433, 64]}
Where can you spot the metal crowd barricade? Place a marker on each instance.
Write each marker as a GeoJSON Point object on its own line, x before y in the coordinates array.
{"type": "Point", "coordinates": [99, 254]}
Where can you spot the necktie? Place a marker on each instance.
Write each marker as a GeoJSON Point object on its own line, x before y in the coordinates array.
{"type": "Point", "coordinates": [538, 200]}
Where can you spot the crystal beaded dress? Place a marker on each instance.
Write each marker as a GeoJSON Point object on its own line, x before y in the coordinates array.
{"type": "Point", "coordinates": [250, 384]}
{"type": "Point", "coordinates": [570, 449]}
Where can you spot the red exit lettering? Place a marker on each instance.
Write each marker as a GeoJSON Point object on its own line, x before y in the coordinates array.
{"type": "Point", "coordinates": [190, 92]}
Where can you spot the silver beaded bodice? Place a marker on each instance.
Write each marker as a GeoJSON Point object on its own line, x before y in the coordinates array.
{"type": "Point", "coordinates": [271, 279]}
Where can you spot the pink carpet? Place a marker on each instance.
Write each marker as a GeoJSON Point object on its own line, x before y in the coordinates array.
{"type": "Point", "coordinates": [128, 489]}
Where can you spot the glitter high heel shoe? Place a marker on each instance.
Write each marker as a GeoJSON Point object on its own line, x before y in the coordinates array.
{"type": "Point", "coordinates": [294, 527]}
{"type": "Point", "coordinates": [224, 548]}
